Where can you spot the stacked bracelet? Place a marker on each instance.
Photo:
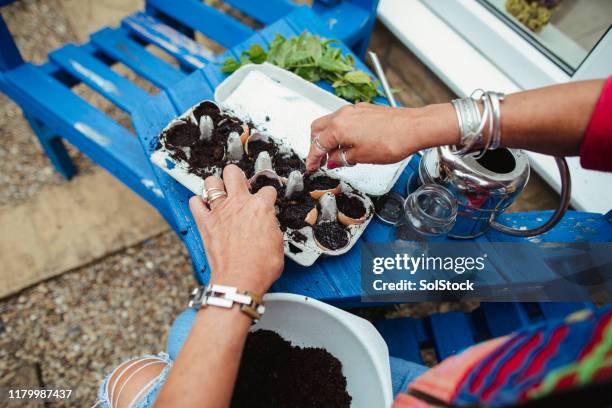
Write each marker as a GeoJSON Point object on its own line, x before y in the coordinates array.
{"type": "Point", "coordinates": [472, 122]}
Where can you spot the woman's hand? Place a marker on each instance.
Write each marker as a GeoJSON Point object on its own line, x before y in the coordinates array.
{"type": "Point", "coordinates": [243, 243]}
{"type": "Point", "coordinates": [379, 134]}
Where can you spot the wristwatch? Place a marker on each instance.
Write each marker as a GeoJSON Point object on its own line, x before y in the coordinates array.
{"type": "Point", "coordinates": [226, 296]}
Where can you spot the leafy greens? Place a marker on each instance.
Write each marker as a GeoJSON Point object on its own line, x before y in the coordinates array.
{"type": "Point", "coordinates": [313, 59]}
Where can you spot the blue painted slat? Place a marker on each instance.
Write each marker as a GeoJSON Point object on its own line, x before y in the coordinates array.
{"type": "Point", "coordinates": [281, 27]}
{"type": "Point", "coordinates": [220, 27]}
{"type": "Point", "coordinates": [346, 21]}
{"type": "Point", "coordinates": [9, 53]}
{"type": "Point", "coordinates": [401, 338]}
{"type": "Point", "coordinates": [117, 44]}
{"type": "Point", "coordinates": [521, 267]}
{"type": "Point", "coordinates": [310, 281]}
{"type": "Point", "coordinates": [378, 232]}
{"type": "Point", "coordinates": [100, 77]}
{"type": "Point", "coordinates": [344, 272]}
{"type": "Point", "coordinates": [504, 318]}
{"type": "Point", "coordinates": [451, 333]}
{"type": "Point", "coordinates": [255, 39]}
{"type": "Point", "coordinates": [90, 130]}
{"type": "Point", "coordinates": [265, 12]}
{"type": "Point", "coordinates": [213, 73]}
{"type": "Point", "coordinates": [148, 123]}
{"type": "Point", "coordinates": [190, 91]}
{"type": "Point", "coordinates": [183, 48]}
{"type": "Point", "coordinates": [574, 227]}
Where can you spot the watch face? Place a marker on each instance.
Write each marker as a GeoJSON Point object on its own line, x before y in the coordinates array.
{"type": "Point", "coordinates": [389, 208]}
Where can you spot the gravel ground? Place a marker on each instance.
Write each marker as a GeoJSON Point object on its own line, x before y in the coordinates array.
{"type": "Point", "coordinates": [38, 27]}
{"type": "Point", "coordinates": [78, 327]}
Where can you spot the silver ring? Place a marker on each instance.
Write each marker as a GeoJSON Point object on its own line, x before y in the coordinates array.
{"type": "Point", "coordinates": [343, 159]}
{"type": "Point", "coordinates": [215, 195]}
{"type": "Point", "coordinates": [318, 145]}
{"type": "Point", "coordinates": [206, 196]}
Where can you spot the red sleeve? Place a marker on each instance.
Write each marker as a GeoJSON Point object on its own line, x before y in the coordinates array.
{"type": "Point", "coordinates": [596, 148]}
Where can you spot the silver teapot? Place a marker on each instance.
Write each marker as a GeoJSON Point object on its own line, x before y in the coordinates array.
{"type": "Point", "coordinates": [484, 187]}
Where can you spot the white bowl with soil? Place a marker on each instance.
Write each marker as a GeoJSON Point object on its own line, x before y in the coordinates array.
{"type": "Point", "coordinates": [358, 346]}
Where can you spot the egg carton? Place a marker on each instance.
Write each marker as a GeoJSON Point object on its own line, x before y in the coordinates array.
{"type": "Point", "coordinates": [300, 244]}
{"type": "Point", "coordinates": [281, 106]}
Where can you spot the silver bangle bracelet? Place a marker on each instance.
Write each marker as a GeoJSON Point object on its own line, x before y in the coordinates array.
{"type": "Point", "coordinates": [468, 116]}
{"type": "Point", "coordinates": [472, 122]}
{"type": "Point", "coordinates": [496, 99]}
{"type": "Point", "coordinates": [487, 118]}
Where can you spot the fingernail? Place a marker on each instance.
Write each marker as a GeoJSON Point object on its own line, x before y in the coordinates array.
{"type": "Point", "coordinates": [332, 164]}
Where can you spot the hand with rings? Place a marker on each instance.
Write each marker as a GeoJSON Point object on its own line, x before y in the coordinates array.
{"type": "Point", "coordinates": [367, 133]}
{"type": "Point", "coordinates": [243, 242]}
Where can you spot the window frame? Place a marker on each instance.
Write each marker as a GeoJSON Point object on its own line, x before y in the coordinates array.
{"type": "Point", "coordinates": [525, 63]}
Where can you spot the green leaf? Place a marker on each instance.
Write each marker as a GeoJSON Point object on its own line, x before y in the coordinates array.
{"type": "Point", "coordinates": [313, 59]}
{"type": "Point", "coordinates": [357, 77]}
{"type": "Point", "coordinates": [278, 39]}
{"type": "Point", "coordinates": [314, 48]}
{"type": "Point", "coordinates": [257, 54]}
{"type": "Point", "coordinates": [328, 63]}
{"type": "Point", "coordinates": [348, 92]}
{"type": "Point", "coordinates": [230, 65]}
{"type": "Point", "coordinates": [280, 54]}
{"type": "Point", "coordinates": [298, 58]}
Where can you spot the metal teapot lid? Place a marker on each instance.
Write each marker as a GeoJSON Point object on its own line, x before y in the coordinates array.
{"type": "Point", "coordinates": [499, 171]}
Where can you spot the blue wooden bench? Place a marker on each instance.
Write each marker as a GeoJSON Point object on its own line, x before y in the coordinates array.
{"type": "Point", "coordinates": [335, 279]}
{"type": "Point", "coordinates": [56, 113]}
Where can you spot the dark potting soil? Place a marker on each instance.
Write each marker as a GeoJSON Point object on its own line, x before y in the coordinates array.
{"type": "Point", "coordinates": [297, 236]}
{"type": "Point", "coordinates": [285, 164]}
{"type": "Point", "coordinates": [258, 146]}
{"type": "Point", "coordinates": [263, 181]}
{"type": "Point", "coordinates": [291, 214]}
{"type": "Point", "coordinates": [204, 155]}
{"type": "Point", "coordinates": [247, 165]}
{"type": "Point", "coordinates": [293, 249]}
{"type": "Point", "coordinates": [322, 183]}
{"type": "Point", "coordinates": [351, 206]}
{"type": "Point", "coordinates": [224, 128]}
{"type": "Point", "coordinates": [331, 235]}
{"type": "Point", "coordinates": [183, 134]}
{"type": "Point", "coordinates": [273, 373]}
